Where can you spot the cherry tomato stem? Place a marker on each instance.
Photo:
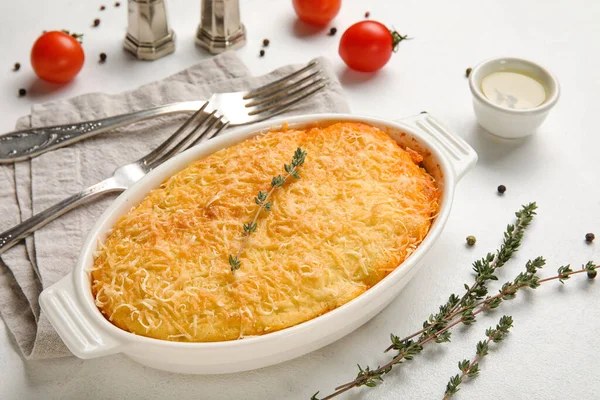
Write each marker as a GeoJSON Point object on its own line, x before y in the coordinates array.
{"type": "Point", "coordinates": [396, 39]}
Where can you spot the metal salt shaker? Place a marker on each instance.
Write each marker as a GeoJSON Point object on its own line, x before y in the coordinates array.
{"type": "Point", "coordinates": [148, 34]}
{"type": "Point", "coordinates": [220, 27]}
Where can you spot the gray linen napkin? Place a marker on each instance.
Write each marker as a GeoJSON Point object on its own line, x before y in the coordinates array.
{"type": "Point", "coordinates": [30, 187]}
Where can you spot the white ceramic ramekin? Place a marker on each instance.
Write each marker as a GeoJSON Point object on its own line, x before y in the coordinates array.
{"type": "Point", "coordinates": [69, 304]}
{"type": "Point", "coordinates": [505, 122]}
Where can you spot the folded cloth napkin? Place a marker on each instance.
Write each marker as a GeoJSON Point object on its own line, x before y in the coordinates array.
{"type": "Point", "coordinates": [31, 186]}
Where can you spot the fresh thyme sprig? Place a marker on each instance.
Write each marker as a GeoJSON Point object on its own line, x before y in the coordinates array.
{"type": "Point", "coordinates": [437, 326]}
{"type": "Point", "coordinates": [470, 369]}
{"type": "Point", "coordinates": [466, 315]}
{"type": "Point", "coordinates": [263, 204]}
{"type": "Point", "coordinates": [484, 272]}
{"type": "Point", "coordinates": [508, 292]}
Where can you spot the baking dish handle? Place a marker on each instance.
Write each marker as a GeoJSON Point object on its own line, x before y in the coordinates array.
{"type": "Point", "coordinates": [68, 319]}
{"type": "Point", "coordinates": [460, 154]}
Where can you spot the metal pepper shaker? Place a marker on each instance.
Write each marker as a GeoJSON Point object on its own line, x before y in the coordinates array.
{"type": "Point", "coordinates": [220, 27]}
{"type": "Point", "coordinates": [148, 34]}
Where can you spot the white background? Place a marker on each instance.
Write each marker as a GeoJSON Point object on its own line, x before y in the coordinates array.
{"type": "Point", "coordinates": [551, 352]}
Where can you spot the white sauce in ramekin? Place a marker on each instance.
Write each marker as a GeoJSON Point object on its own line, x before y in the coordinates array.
{"type": "Point", "coordinates": [513, 90]}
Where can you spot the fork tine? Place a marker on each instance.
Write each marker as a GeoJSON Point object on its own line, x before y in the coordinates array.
{"type": "Point", "coordinates": [282, 90]}
{"type": "Point", "coordinates": [176, 149]}
{"type": "Point", "coordinates": [279, 82]}
{"type": "Point", "coordinates": [216, 132]}
{"type": "Point", "coordinates": [148, 158]}
{"type": "Point", "coordinates": [266, 114]}
{"type": "Point", "coordinates": [288, 97]}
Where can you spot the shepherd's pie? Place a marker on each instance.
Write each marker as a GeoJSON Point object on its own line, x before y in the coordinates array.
{"type": "Point", "coordinates": [362, 205]}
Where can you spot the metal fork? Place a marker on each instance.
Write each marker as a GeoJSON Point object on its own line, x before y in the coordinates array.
{"type": "Point", "coordinates": [237, 108]}
{"type": "Point", "coordinates": [200, 126]}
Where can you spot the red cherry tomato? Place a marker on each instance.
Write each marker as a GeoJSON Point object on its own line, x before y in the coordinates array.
{"type": "Point", "coordinates": [317, 12]}
{"type": "Point", "coordinates": [367, 46]}
{"type": "Point", "coordinates": [57, 57]}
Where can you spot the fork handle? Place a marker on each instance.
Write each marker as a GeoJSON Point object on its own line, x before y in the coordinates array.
{"type": "Point", "coordinates": [10, 237]}
{"type": "Point", "coordinates": [29, 143]}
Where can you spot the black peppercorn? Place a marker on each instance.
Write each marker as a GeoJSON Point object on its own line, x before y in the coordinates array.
{"type": "Point", "coordinates": [266, 42]}
{"type": "Point", "coordinates": [589, 237]}
{"type": "Point", "coordinates": [22, 92]}
{"type": "Point", "coordinates": [117, 4]}
{"type": "Point", "coordinates": [471, 240]}
{"type": "Point", "coordinates": [17, 67]}
{"type": "Point", "coordinates": [592, 274]}
{"type": "Point", "coordinates": [332, 31]}
{"type": "Point", "coordinates": [102, 57]}
{"type": "Point", "coordinates": [262, 53]}
{"type": "Point", "coordinates": [468, 72]}
{"type": "Point", "coordinates": [367, 14]}
{"type": "Point", "coordinates": [102, 8]}
{"type": "Point", "coordinates": [501, 189]}
{"type": "Point", "coordinates": [96, 22]}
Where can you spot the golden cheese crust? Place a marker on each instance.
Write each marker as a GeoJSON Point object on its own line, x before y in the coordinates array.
{"type": "Point", "coordinates": [361, 206]}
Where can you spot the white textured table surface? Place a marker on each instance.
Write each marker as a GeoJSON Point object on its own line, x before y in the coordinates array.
{"type": "Point", "coordinates": [550, 353]}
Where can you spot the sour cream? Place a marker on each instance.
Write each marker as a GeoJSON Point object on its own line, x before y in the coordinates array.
{"type": "Point", "coordinates": [513, 90]}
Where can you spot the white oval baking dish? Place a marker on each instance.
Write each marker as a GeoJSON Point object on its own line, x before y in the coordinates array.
{"type": "Point", "coordinates": [69, 304]}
